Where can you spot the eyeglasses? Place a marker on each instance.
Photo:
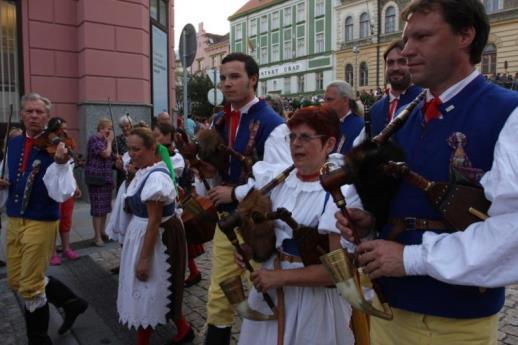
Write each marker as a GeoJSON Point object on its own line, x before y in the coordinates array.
{"type": "Point", "coordinates": [303, 138]}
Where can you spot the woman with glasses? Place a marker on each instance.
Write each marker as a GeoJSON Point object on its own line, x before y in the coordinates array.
{"type": "Point", "coordinates": [314, 313]}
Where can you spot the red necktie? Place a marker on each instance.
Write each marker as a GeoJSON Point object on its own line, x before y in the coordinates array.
{"type": "Point", "coordinates": [392, 108]}
{"type": "Point", "coordinates": [234, 122]}
{"type": "Point", "coordinates": [431, 109]}
{"type": "Point", "coordinates": [27, 147]}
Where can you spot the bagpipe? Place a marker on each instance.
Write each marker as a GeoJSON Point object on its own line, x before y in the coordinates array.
{"type": "Point", "coordinates": [376, 168]}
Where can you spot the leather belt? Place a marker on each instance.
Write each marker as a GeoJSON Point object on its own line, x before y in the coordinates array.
{"type": "Point", "coordinates": [289, 258]}
{"type": "Point", "coordinates": [412, 223]}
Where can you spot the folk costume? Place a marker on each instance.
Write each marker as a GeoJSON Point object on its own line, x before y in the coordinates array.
{"type": "Point", "coordinates": [386, 108]}
{"type": "Point", "coordinates": [145, 304]}
{"type": "Point", "coordinates": [270, 145]}
{"type": "Point", "coordinates": [350, 127]}
{"type": "Point", "coordinates": [36, 187]}
{"type": "Point", "coordinates": [449, 314]}
{"type": "Point", "coordinates": [313, 315]}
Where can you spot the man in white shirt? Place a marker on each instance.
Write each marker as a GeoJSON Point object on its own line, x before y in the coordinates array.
{"type": "Point", "coordinates": [444, 40]}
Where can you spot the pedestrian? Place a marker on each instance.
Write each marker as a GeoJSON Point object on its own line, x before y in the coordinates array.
{"type": "Point", "coordinates": [239, 75]}
{"type": "Point", "coordinates": [99, 177]}
{"type": "Point", "coordinates": [120, 146]}
{"type": "Point", "coordinates": [34, 185]}
{"type": "Point", "coordinates": [449, 138]}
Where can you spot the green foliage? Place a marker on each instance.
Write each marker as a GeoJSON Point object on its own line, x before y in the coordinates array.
{"type": "Point", "coordinates": [198, 87]}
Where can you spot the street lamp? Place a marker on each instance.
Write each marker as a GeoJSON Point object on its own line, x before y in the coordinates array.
{"type": "Point", "coordinates": [356, 51]}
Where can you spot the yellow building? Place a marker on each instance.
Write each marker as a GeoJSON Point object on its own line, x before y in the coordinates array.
{"type": "Point", "coordinates": [362, 36]}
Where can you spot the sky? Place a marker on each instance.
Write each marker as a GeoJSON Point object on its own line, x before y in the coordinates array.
{"type": "Point", "coordinates": [213, 14]}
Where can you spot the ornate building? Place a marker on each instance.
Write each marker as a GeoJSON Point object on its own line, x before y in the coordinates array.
{"type": "Point", "coordinates": [365, 28]}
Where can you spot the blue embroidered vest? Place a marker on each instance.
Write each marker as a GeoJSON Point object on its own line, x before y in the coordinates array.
{"type": "Point", "coordinates": [138, 208]}
{"type": "Point", "coordinates": [479, 111]}
{"type": "Point", "coordinates": [379, 110]}
{"type": "Point", "coordinates": [350, 127]}
{"type": "Point", "coordinates": [40, 206]}
{"type": "Point", "coordinates": [268, 120]}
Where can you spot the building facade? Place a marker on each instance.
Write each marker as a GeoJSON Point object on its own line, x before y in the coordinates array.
{"type": "Point", "coordinates": [365, 28]}
{"type": "Point", "coordinates": [84, 54]}
{"type": "Point", "coordinates": [292, 42]}
{"type": "Point", "coordinates": [211, 50]}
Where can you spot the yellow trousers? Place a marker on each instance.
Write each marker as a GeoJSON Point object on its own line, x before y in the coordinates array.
{"type": "Point", "coordinates": [408, 328]}
{"type": "Point", "coordinates": [29, 247]}
{"type": "Point", "coordinates": [219, 310]}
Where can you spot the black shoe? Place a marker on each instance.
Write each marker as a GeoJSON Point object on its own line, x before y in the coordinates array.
{"type": "Point", "coordinates": [37, 324]}
{"type": "Point", "coordinates": [192, 280]}
{"type": "Point", "coordinates": [72, 309]}
{"type": "Point", "coordinates": [2, 263]}
{"type": "Point", "coordinates": [115, 270]}
{"type": "Point", "coordinates": [217, 336]}
{"type": "Point", "coordinates": [188, 338]}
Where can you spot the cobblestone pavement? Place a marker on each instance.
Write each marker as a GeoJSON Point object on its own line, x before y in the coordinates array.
{"type": "Point", "coordinates": [195, 300]}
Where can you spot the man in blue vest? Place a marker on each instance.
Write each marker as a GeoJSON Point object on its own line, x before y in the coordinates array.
{"type": "Point", "coordinates": [467, 127]}
{"type": "Point", "coordinates": [34, 185]}
{"type": "Point", "coordinates": [401, 91]}
{"type": "Point", "coordinates": [244, 117]}
{"type": "Point", "coordinates": [339, 96]}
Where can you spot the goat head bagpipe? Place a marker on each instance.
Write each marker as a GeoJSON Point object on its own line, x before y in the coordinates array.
{"type": "Point", "coordinates": [310, 242]}
{"type": "Point", "coordinates": [256, 201]}
{"type": "Point", "coordinates": [364, 169]}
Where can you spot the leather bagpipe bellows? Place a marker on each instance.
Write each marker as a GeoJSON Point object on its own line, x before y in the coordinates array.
{"type": "Point", "coordinates": [210, 149]}
{"type": "Point", "coordinates": [375, 188]}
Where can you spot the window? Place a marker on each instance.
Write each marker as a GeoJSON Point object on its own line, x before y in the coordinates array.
{"type": "Point", "coordinates": [239, 31]}
{"type": "Point", "coordinates": [288, 50]}
{"type": "Point", "coordinates": [364, 25]}
{"type": "Point", "coordinates": [264, 55]}
{"type": "Point", "coordinates": [253, 27]}
{"type": "Point", "coordinates": [364, 76]}
{"type": "Point", "coordinates": [492, 5]}
{"type": "Point", "coordinates": [319, 80]}
{"type": "Point", "coordinates": [251, 47]}
{"type": "Point", "coordinates": [9, 78]}
{"type": "Point", "coordinates": [320, 8]}
{"type": "Point", "coordinates": [287, 16]}
{"type": "Point", "coordinates": [300, 83]}
{"type": "Point", "coordinates": [349, 29]}
{"type": "Point", "coordinates": [158, 11]}
{"type": "Point", "coordinates": [489, 59]}
{"type": "Point", "coordinates": [287, 85]}
{"type": "Point", "coordinates": [301, 12]}
{"type": "Point", "coordinates": [301, 46]}
{"type": "Point", "coordinates": [264, 24]}
{"type": "Point", "coordinates": [276, 52]}
{"type": "Point", "coordinates": [319, 43]}
{"type": "Point", "coordinates": [390, 20]}
{"type": "Point", "coordinates": [264, 89]}
{"type": "Point", "coordinates": [349, 74]}
{"type": "Point", "coordinates": [275, 20]}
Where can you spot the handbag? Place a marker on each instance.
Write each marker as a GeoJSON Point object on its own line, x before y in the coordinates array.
{"type": "Point", "coordinates": [93, 180]}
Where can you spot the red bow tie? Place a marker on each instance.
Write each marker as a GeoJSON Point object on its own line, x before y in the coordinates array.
{"type": "Point", "coordinates": [431, 109]}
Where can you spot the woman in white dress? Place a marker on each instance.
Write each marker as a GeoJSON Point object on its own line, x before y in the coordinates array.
{"type": "Point", "coordinates": [314, 313]}
{"type": "Point", "coordinates": [143, 278]}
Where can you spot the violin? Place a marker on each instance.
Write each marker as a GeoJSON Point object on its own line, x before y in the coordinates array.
{"type": "Point", "coordinates": [53, 135]}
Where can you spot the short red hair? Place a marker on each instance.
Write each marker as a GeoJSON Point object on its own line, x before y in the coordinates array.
{"type": "Point", "coordinates": [322, 119]}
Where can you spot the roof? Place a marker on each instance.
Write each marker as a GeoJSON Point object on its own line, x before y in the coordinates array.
{"type": "Point", "coordinates": [252, 6]}
{"type": "Point", "coordinates": [214, 39]}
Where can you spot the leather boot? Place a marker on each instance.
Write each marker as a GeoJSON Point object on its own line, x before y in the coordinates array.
{"type": "Point", "coordinates": [217, 336]}
{"type": "Point", "coordinates": [62, 297]}
{"type": "Point", "coordinates": [37, 324]}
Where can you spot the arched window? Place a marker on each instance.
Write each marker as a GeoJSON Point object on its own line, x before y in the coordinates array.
{"type": "Point", "coordinates": [349, 74]}
{"type": "Point", "coordinates": [364, 74]}
{"type": "Point", "coordinates": [349, 29]}
{"type": "Point", "coordinates": [390, 20]}
{"type": "Point", "coordinates": [489, 59]}
{"type": "Point", "coordinates": [364, 25]}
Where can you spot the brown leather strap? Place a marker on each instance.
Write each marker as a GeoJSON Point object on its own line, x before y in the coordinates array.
{"type": "Point", "coordinates": [411, 223]}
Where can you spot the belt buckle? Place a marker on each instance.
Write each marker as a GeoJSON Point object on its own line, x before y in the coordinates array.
{"type": "Point", "coordinates": [410, 223]}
